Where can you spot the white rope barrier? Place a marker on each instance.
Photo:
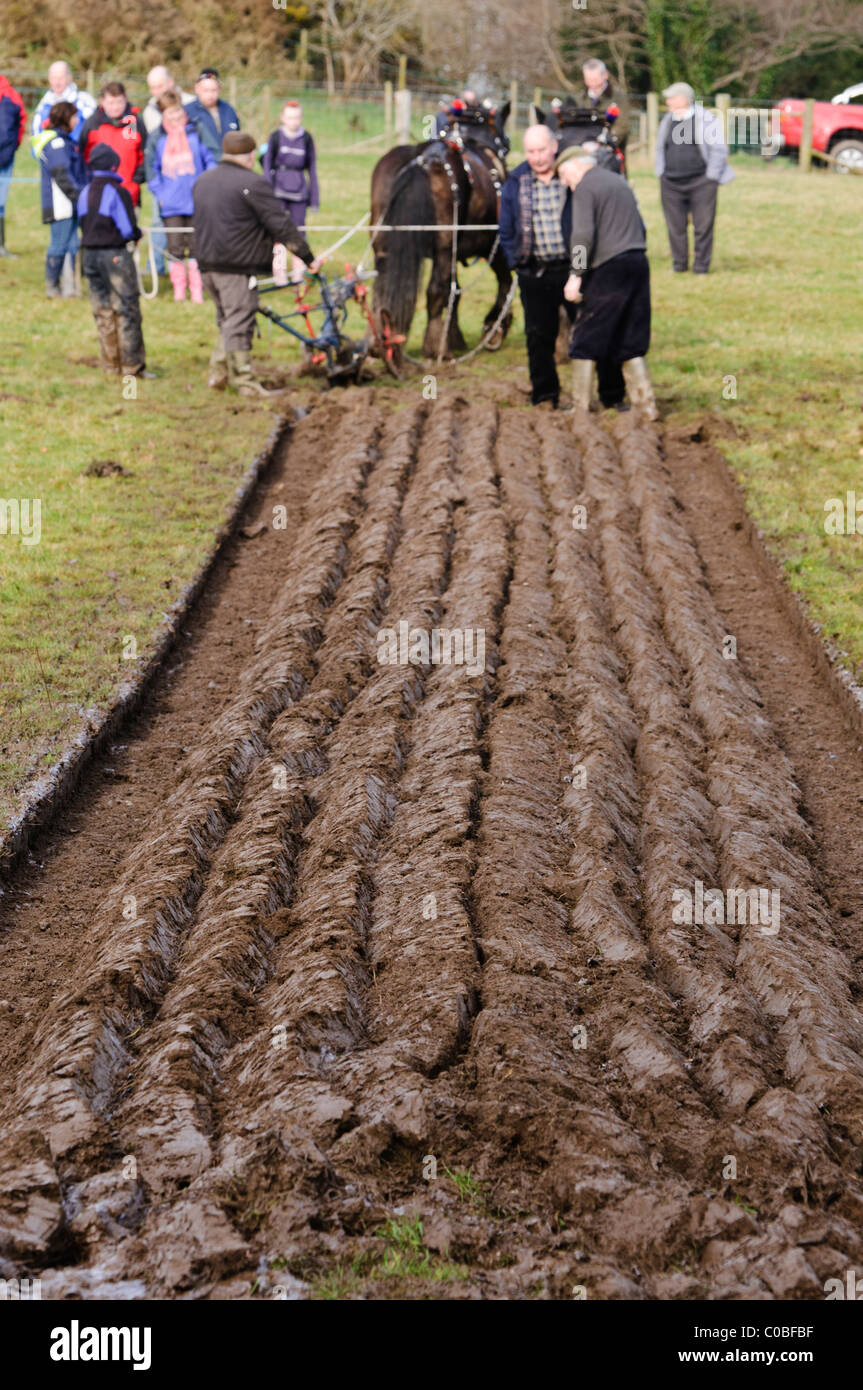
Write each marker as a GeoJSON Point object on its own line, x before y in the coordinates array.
{"type": "Point", "coordinates": [372, 227]}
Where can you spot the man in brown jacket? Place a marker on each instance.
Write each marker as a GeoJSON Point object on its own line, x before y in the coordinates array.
{"type": "Point", "coordinates": [237, 220]}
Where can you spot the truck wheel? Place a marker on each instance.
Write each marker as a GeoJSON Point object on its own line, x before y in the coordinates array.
{"type": "Point", "coordinates": [848, 155]}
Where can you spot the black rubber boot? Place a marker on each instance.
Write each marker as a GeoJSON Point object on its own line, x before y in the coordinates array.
{"type": "Point", "coordinates": [53, 273]}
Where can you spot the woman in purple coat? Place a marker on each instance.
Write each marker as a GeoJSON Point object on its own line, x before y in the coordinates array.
{"type": "Point", "coordinates": [289, 167]}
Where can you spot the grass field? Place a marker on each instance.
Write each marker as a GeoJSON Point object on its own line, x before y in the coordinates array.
{"type": "Point", "coordinates": [767, 346]}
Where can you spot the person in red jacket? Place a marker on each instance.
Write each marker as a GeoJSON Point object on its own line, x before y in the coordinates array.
{"type": "Point", "coordinates": [13, 123]}
{"type": "Point", "coordinates": [119, 125]}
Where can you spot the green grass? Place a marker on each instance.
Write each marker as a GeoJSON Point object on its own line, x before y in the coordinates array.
{"type": "Point", "coordinates": [402, 1260]}
{"type": "Point", "coordinates": [781, 315]}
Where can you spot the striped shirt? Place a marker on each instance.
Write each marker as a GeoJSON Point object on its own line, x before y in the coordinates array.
{"type": "Point", "coordinates": [548, 200]}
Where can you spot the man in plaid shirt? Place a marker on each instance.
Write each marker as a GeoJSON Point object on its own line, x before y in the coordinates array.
{"type": "Point", "coordinates": [535, 220]}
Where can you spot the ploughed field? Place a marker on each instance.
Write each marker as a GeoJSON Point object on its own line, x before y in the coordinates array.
{"type": "Point", "coordinates": [529, 972]}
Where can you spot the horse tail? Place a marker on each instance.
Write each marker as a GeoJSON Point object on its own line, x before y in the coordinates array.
{"type": "Point", "coordinates": [401, 254]}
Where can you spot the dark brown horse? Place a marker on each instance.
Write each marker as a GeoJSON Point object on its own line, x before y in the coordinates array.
{"type": "Point", "coordinates": [455, 178]}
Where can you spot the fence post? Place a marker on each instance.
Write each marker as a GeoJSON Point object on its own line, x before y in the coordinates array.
{"type": "Point", "coordinates": [537, 102]}
{"type": "Point", "coordinates": [806, 136]}
{"type": "Point", "coordinates": [642, 131]}
{"type": "Point", "coordinates": [403, 116]}
{"type": "Point", "coordinates": [403, 71]}
{"type": "Point", "coordinates": [232, 92]}
{"type": "Point", "coordinates": [266, 100]}
{"type": "Point", "coordinates": [723, 104]}
{"type": "Point", "coordinates": [652, 124]}
{"type": "Point", "coordinates": [388, 109]}
{"type": "Point", "coordinates": [91, 78]}
{"type": "Point", "coordinates": [303, 63]}
{"type": "Point", "coordinates": [513, 112]}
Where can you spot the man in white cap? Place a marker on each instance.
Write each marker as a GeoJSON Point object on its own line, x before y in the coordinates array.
{"type": "Point", "coordinates": [691, 163]}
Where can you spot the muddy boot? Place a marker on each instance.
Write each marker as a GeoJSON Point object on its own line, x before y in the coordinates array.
{"type": "Point", "coordinates": [218, 378]}
{"type": "Point", "coordinates": [53, 272]}
{"type": "Point", "coordinates": [640, 387]}
{"type": "Point", "coordinates": [109, 339]}
{"type": "Point", "coordinates": [582, 383]}
{"type": "Point", "coordinates": [6, 255]}
{"type": "Point", "coordinates": [241, 376]}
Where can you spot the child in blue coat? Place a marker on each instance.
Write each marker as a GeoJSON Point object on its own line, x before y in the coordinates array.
{"type": "Point", "coordinates": [63, 177]}
{"type": "Point", "coordinates": [179, 160]}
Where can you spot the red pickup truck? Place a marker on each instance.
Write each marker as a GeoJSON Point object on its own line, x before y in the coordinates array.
{"type": "Point", "coordinates": [837, 128]}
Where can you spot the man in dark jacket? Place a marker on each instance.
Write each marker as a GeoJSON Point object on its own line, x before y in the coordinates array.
{"type": "Point", "coordinates": [106, 218]}
{"type": "Point", "coordinates": [534, 234]}
{"type": "Point", "coordinates": [211, 117]}
{"type": "Point", "coordinates": [119, 125]}
{"type": "Point", "coordinates": [237, 220]}
{"type": "Point", "coordinates": [600, 93]}
{"type": "Point", "coordinates": [611, 277]}
{"type": "Point", "coordinates": [13, 123]}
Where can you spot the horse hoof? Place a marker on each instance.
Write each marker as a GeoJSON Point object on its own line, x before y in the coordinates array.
{"type": "Point", "coordinates": [495, 341]}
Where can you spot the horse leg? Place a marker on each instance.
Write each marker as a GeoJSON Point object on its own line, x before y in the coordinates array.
{"type": "Point", "coordinates": [437, 297]}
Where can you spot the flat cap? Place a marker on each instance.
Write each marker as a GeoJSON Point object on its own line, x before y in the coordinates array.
{"type": "Point", "coordinates": [237, 142]}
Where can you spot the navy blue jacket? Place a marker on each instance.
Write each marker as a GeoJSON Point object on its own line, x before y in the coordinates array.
{"type": "Point", "coordinates": [516, 217]}
{"type": "Point", "coordinates": [13, 122]}
{"type": "Point", "coordinates": [63, 174]}
{"type": "Point", "coordinates": [204, 123]}
{"type": "Point", "coordinates": [106, 214]}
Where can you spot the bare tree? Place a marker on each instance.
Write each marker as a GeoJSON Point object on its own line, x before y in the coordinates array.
{"type": "Point", "coordinates": [356, 33]}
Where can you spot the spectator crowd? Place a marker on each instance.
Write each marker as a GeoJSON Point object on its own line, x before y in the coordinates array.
{"type": "Point", "coordinates": [569, 223]}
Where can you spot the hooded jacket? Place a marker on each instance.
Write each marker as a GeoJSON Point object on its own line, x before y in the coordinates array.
{"type": "Point", "coordinates": [105, 211]}
{"type": "Point", "coordinates": [238, 218]}
{"type": "Point", "coordinates": [63, 174]}
{"type": "Point", "coordinates": [13, 122]}
{"type": "Point", "coordinates": [285, 162]}
{"type": "Point", "coordinates": [175, 195]}
{"type": "Point", "coordinates": [126, 136]}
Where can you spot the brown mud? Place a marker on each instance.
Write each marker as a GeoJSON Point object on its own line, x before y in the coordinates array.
{"type": "Point", "coordinates": [342, 978]}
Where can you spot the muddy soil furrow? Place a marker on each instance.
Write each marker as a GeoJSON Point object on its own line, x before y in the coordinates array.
{"type": "Point", "coordinates": [227, 955]}
{"type": "Point", "coordinates": [637, 1017]}
{"type": "Point", "coordinates": [135, 932]}
{"type": "Point", "coordinates": [539, 1102]}
{"type": "Point", "coordinates": [730, 1038]}
{"type": "Point", "coordinates": [799, 976]}
{"type": "Point", "coordinates": [389, 912]}
{"type": "Point", "coordinates": [420, 944]}
{"type": "Point", "coordinates": [313, 1010]}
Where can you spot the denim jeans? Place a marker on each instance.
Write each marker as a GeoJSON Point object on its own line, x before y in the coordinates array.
{"type": "Point", "coordinates": [64, 237]}
{"type": "Point", "coordinates": [158, 239]}
{"type": "Point", "coordinates": [5, 180]}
